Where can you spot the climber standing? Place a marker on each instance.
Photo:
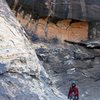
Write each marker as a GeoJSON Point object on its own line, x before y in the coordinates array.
{"type": "Point", "coordinates": [73, 92]}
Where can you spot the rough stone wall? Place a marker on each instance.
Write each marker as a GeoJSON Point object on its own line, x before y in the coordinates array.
{"type": "Point", "coordinates": [70, 9]}
{"type": "Point", "coordinates": [22, 76]}
{"type": "Point", "coordinates": [77, 9]}
{"type": "Point", "coordinates": [94, 30]}
{"type": "Point", "coordinates": [88, 10]}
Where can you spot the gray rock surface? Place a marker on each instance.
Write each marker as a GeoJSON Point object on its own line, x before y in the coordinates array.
{"type": "Point", "coordinates": [68, 62]}
{"type": "Point", "coordinates": [74, 9]}
{"type": "Point", "coordinates": [89, 9]}
{"type": "Point", "coordinates": [22, 77]}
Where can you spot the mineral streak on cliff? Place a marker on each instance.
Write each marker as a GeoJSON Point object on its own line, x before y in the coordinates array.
{"type": "Point", "coordinates": [81, 10]}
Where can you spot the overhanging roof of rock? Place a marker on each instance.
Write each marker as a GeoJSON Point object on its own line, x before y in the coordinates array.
{"type": "Point", "coordinates": [38, 6]}
{"type": "Point", "coordinates": [76, 9]}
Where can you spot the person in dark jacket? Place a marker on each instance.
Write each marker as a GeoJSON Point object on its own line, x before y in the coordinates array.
{"type": "Point", "coordinates": [73, 92]}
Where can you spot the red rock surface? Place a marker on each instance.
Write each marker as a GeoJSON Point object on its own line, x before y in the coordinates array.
{"type": "Point", "coordinates": [76, 32]}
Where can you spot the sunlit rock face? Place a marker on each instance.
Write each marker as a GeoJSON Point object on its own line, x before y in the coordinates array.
{"type": "Point", "coordinates": [22, 77]}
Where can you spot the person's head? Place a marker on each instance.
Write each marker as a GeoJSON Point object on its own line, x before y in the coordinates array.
{"type": "Point", "coordinates": [73, 83]}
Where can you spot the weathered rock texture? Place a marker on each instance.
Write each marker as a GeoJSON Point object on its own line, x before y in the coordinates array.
{"type": "Point", "coordinates": [88, 10]}
{"type": "Point", "coordinates": [73, 9]}
{"type": "Point", "coordinates": [77, 9]}
{"type": "Point", "coordinates": [22, 77]}
{"type": "Point", "coordinates": [82, 10]}
{"type": "Point", "coordinates": [68, 62]}
{"type": "Point", "coordinates": [76, 32]}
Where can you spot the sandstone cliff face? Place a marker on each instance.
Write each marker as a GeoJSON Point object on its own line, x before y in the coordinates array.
{"type": "Point", "coordinates": [76, 32]}
{"type": "Point", "coordinates": [22, 77]}
{"type": "Point", "coordinates": [76, 9]}
{"type": "Point", "coordinates": [81, 10]}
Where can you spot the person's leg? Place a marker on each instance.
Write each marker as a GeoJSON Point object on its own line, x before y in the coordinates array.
{"type": "Point", "coordinates": [76, 98]}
